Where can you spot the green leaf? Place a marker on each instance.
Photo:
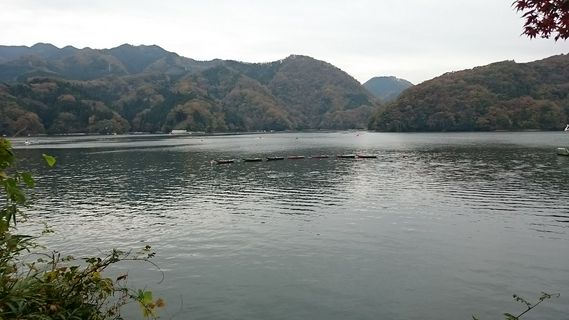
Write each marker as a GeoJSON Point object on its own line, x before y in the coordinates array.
{"type": "Point", "coordinates": [510, 316]}
{"type": "Point", "coordinates": [13, 192]}
{"type": "Point", "coordinates": [50, 160]}
{"type": "Point", "coordinates": [147, 297]}
{"type": "Point", "coordinates": [28, 180]}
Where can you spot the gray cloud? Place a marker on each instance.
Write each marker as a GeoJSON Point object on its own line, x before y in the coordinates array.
{"type": "Point", "coordinates": [414, 39]}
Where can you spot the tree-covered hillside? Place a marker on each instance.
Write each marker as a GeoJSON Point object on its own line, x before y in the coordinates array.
{"type": "Point", "coordinates": [500, 96]}
{"type": "Point", "coordinates": [146, 88]}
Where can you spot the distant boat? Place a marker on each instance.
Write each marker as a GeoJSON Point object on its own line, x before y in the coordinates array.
{"type": "Point", "coordinates": [367, 156]}
{"type": "Point", "coordinates": [346, 156]}
{"type": "Point", "coordinates": [179, 132]}
{"type": "Point", "coordinates": [223, 161]}
{"type": "Point", "coordinates": [295, 157]}
{"type": "Point", "coordinates": [274, 158]}
{"type": "Point", "coordinates": [566, 128]}
{"type": "Point", "coordinates": [252, 159]}
{"type": "Point", "coordinates": [320, 156]}
{"type": "Point", "coordinates": [562, 151]}
{"type": "Point", "coordinates": [27, 142]}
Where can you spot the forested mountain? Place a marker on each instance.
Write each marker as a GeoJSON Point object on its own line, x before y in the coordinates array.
{"type": "Point", "coordinates": [146, 88]}
{"type": "Point", "coordinates": [500, 96]}
{"type": "Point", "coordinates": [387, 88]}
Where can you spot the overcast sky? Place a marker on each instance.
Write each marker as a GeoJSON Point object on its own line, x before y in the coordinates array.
{"type": "Point", "coordinates": [412, 39]}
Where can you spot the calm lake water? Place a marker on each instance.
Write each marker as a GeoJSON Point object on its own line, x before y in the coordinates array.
{"type": "Point", "coordinates": [439, 226]}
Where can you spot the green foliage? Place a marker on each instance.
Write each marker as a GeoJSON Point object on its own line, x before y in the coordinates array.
{"type": "Point", "coordinates": [50, 160]}
{"type": "Point", "coordinates": [53, 286]}
{"type": "Point", "coordinates": [500, 96]}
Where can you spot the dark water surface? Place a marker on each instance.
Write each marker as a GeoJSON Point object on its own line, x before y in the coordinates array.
{"type": "Point", "coordinates": [439, 226]}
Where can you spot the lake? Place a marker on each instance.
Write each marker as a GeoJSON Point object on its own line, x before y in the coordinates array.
{"type": "Point", "coordinates": [439, 226]}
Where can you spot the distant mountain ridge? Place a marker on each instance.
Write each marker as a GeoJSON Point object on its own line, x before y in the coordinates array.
{"type": "Point", "coordinates": [500, 96]}
{"type": "Point", "coordinates": [43, 50]}
{"type": "Point", "coordinates": [387, 88]}
{"type": "Point", "coordinates": [88, 64]}
{"type": "Point", "coordinates": [146, 88]}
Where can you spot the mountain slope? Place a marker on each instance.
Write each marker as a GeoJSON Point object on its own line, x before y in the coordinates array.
{"type": "Point", "coordinates": [500, 96]}
{"type": "Point", "coordinates": [387, 88]}
{"type": "Point", "coordinates": [146, 88]}
{"type": "Point", "coordinates": [310, 88]}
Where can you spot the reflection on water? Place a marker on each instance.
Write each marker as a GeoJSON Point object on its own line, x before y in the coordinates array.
{"type": "Point", "coordinates": [438, 225]}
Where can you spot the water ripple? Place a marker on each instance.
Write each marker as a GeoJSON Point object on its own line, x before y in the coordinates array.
{"type": "Point", "coordinates": [471, 218]}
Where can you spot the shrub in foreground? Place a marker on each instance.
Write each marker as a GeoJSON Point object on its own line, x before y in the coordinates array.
{"type": "Point", "coordinates": [39, 285]}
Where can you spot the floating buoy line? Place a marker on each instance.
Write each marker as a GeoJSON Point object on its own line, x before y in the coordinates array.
{"type": "Point", "coordinates": [294, 157]}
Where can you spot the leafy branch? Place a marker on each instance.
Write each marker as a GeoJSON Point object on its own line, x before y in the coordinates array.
{"type": "Point", "coordinates": [55, 286]}
{"type": "Point", "coordinates": [529, 306]}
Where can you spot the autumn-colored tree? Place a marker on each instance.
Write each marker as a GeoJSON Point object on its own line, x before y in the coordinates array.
{"type": "Point", "coordinates": [545, 18]}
